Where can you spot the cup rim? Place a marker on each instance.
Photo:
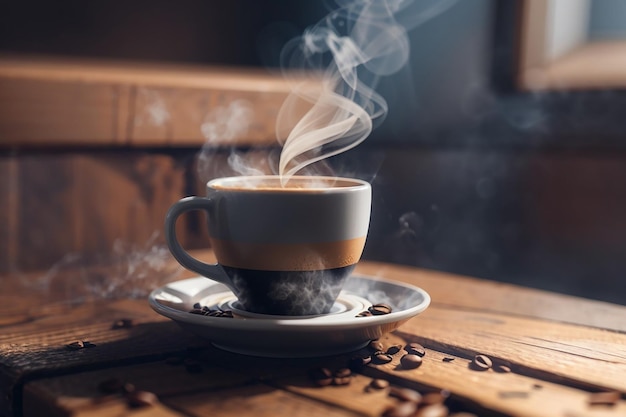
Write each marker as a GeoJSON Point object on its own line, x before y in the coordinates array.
{"type": "Point", "coordinates": [354, 184]}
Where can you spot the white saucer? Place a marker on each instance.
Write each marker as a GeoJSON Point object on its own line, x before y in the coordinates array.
{"type": "Point", "coordinates": [339, 331]}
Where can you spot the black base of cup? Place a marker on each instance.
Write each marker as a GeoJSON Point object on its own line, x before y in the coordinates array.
{"type": "Point", "coordinates": [288, 293]}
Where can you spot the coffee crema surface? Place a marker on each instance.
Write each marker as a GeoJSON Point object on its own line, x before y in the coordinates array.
{"type": "Point", "coordinates": [295, 184]}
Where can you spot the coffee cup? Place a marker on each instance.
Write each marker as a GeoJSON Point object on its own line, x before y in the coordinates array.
{"type": "Point", "coordinates": [282, 250]}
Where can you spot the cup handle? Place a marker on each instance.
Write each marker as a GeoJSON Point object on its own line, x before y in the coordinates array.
{"type": "Point", "coordinates": [212, 271]}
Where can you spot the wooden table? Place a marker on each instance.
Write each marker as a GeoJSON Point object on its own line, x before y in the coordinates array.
{"type": "Point", "coordinates": [559, 349]}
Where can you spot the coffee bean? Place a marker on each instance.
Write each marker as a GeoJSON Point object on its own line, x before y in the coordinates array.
{"type": "Point", "coordinates": [447, 359]}
{"type": "Point", "coordinates": [434, 410]}
{"type": "Point", "coordinates": [381, 357]}
{"type": "Point", "coordinates": [410, 361]}
{"type": "Point", "coordinates": [122, 324]}
{"type": "Point", "coordinates": [415, 349]}
{"type": "Point", "coordinates": [364, 314]}
{"type": "Point", "coordinates": [110, 386]}
{"type": "Point", "coordinates": [404, 409]}
{"type": "Point", "coordinates": [80, 344]}
{"type": "Point", "coordinates": [380, 309]}
{"type": "Point", "coordinates": [379, 383]}
{"type": "Point", "coordinates": [138, 399]}
{"type": "Point", "coordinates": [502, 369]}
{"type": "Point", "coordinates": [537, 386]}
{"type": "Point", "coordinates": [609, 398]}
{"type": "Point", "coordinates": [196, 311]}
{"type": "Point", "coordinates": [342, 380]}
{"type": "Point", "coordinates": [321, 376]}
{"type": "Point", "coordinates": [75, 345]}
{"type": "Point", "coordinates": [481, 363]}
{"type": "Point", "coordinates": [405, 394]}
{"type": "Point", "coordinates": [376, 346]}
{"type": "Point", "coordinates": [197, 306]}
{"type": "Point", "coordinates": [392, 350]}
{"type": "Point", "coordinates": [205, 308]}
{"type": "Point", "coordinates": [357, 363]}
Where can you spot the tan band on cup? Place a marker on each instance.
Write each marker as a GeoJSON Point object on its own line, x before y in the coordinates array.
{"type": "Point", "coordinates": [289, 256]}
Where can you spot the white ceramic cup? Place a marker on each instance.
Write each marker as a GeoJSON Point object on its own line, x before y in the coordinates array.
{"type": "Point", "coordinates": [281, 250]}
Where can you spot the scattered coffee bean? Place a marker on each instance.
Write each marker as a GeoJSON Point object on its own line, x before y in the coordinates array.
{"type": "Point", "coordinates": [415, 349]}
{"type": "Point", "coordinates": [405, 394]}
{"type": "Point", "coordinates": [197, 306]}
{"type": "Point", "coordinates": [206, 308]}
{"type": "Point", "coordinates": [321, 376]}
{"type": "Point", "coordinates": [434, 410]}
{"type": "Point", "coordinates": [380, 309]}
{"type": "Point", "coordinates": [79, 344]}
{"type": "Point", "coordinates": [481, 363]}
{"type": "Point", "coordinates": [609, 398]}
{"type": "Point", "coordinates": [379, 383]}
{"type": "Point", "coordinates": [75, 345]}
{"type": "Point", "coordinates": [111, 386]}
{"type": "Point", "coordinates": [404, 409]}
{"type": "Point", "coordinates": [342, 380]}
{"type": "Point", "coordinates": [392, 350]}
{"type": "Point", "coordinates": [448, 359]}
{"type": "Point", "coordinates": [122, 324]}
{"type": "Point", "coordinates": [376, 346]}
{"type": "Point", "coordinates": [357, 363]}
{"type": "Point", "coordinates": [382, 357]}
{"type": "Point", "coordinates": [197, 311]}
{"type": "Point", "coordinates": [537, 386]}
{"type": "Point", "coordinates": [410, 361]}
{"type": "Point", "coordinates": [502, 369]}
{"type": "Point", "coordinates": [364, 314]}
{"type": "Point", "coordinates": [138, 399]}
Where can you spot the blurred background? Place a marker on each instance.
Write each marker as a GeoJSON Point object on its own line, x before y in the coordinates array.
{"type": "Point", "coordinates": [502, 156]}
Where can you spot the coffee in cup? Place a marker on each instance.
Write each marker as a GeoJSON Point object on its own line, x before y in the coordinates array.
{"type": "Point", "coordinates": [283, 250]}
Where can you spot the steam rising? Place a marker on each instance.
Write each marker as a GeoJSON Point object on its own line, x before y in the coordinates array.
{"type": "Point", "coordinates": [353, 46]}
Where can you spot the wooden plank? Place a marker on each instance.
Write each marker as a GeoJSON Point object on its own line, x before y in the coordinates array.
{"type": "Point", "coordinates": [256, 400]}
{"type": "Point", "coordinates": [38, 346]}
{"type": "Point", "coordinates": [568, 353]}
{"type": "Point", "coordinates": [510, 393]}
{"type": "Point", "coordinates": [476, 294]}
{"type": "Point", "coordinates": [52, 102]}
{"type": "Point", "coordinates": [71, 394]}
{"type": "Point", "coordinates": [187, 117]}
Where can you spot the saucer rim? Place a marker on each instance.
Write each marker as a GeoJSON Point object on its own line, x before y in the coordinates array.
{"type": "Point", "coordinates": [274, 324]}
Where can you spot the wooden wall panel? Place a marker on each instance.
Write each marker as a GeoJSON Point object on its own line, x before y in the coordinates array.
{"type": "Point", "coordinates": [8, 212]}
{"type": "Point", "coordinates": [55, 204]}
{"type": "Point", "coordinates": [58, 113]}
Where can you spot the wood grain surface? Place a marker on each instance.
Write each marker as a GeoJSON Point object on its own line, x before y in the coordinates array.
{"type": "Point", "coordinates": [557, 360]}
